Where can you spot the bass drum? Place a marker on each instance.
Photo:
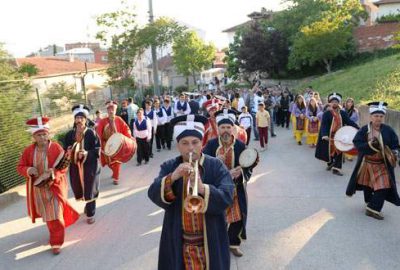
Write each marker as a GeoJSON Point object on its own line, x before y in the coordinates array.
{"type": "Point", "coordinates": [249, 158]}
{"type": "Point", "coordinates": [120, 148]}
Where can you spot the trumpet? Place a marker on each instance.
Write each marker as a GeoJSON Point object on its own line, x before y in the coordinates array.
{"type": "Point", "coordinates": [193, 202]}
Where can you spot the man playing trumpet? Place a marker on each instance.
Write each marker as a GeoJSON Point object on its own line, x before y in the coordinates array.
{"type": "Point", "coordinates": [194, 239]}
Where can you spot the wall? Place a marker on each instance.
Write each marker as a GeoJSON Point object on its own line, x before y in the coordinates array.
{"type": "Point", "coordinates": [381, 36]}
{"type": "Point", "coordinates": [392, 118]}
{"type": "Point", "coordinates": [388, 9]}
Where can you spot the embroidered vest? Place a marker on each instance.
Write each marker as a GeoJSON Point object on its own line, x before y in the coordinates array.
{"type": "Point", "coordinates": [141, 126]}
{"type": "Point", "coordinates": [182, 107]}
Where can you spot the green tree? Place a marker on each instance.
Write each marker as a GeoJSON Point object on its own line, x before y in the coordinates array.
{"type": "Point", "coordinates": [127, 41]}
{"type": "Point", "coordinates": [263, 50]}
{"type": "Point", "coordinates": [328, 37]}
{"type": "Point", "coordinates": [191, 55]}
{"type": "Point", "coordinates": [28, 69]}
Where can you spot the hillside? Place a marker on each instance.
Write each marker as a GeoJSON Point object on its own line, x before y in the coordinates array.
{"type": "Point", "coordinates": [378, 79]}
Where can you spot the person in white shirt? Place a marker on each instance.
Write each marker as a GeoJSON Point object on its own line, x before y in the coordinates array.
{"type": "Point", "coordinates": [182, 107]}
{"type": "Point", "coordinates": [246, 121]}
{"type": "Point", "coordinates": [142, 132]}
{"type": "Point", "coordinates": [162, 119]}
{"type": "Point", "coordinates": [168, 129]}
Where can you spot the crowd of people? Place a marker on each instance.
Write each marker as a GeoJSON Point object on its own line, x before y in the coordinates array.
{"type": "Point", "coordinates": [203, 189]}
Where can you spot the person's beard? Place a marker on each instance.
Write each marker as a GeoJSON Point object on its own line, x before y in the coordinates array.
{"type": "Point", "coordinates": [226, 137]}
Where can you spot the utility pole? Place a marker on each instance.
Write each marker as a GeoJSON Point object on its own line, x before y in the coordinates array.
{"type": "Point", "coordinates": [154, 54]}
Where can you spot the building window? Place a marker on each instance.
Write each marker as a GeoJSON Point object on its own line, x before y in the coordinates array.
{"type": "Point", "coordinates": [104, 58]}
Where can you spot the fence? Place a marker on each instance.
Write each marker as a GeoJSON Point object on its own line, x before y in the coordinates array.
{"type": "Point", "coordinates": [20, 101]}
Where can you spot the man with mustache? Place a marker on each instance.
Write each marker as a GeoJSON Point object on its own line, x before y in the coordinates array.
{"type": "Point", "coordinates": [332, 121]}
{"type": "Point", "coordinates": [47, 199]}
{"type": "Point", "coordinates": [84, 171]}
{"type": "Point", "coordinates": [228, 149]}
{"type": "Point", "coordinates": [378, 147]}
{"type": "Point", "coordinates": [107, 127]}
{"type": "Point", "coordinates": [192, 240]}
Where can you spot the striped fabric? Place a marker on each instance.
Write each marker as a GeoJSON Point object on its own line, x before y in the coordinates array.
{"type": "Point", "coordinates": [336, 125]}
{"type": "Point", "coordinates": [45, 201]}
{"type": "Point", "coordinates": [373, 173]}
{"type": "Point", "coordinates": [193, 236]}
{"type": "Point", "coordinates": [233, 213]}
{"type": "Point", "coordinates": [168, 193]}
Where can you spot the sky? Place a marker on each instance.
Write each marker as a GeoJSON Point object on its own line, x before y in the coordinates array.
{"type": "Point", "coordinates": [28, 25]}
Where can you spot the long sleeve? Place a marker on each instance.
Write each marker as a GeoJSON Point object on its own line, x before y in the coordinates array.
{"type": "Point", "coordinates": [187, 111]}
{"type": "Point", "coordinates": [325, 124]}
{"type": "Point", "coordinates": [149, 127]}
{"type": "Point", "coordinates": [24, 163]}
{"type": "Point", "coordinates": [157, 189]}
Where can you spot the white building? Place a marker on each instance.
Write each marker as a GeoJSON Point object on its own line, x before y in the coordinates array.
{"type": "Point", "coordinates": [82, 54]}
{"type": "Point", "coordinates": [387, 7]}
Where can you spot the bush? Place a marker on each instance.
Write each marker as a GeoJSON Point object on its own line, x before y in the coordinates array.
{"type": "Point", "coordinates": [60, 137]}
{"type": "Point", "coordinates": [389, 18]}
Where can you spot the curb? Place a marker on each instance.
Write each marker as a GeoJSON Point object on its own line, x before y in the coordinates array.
{"type": "Point", "coordinates": [12, 196]}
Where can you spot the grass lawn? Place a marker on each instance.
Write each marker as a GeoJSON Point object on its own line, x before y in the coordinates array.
{"type": "Point", "coordinates": [378, 79]}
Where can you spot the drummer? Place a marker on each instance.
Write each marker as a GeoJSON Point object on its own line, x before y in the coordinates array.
{"type": "Point", "coordinates": [84, 171]}
{"type": "Point", "coordinates": [332, 121]}
{"type": "Point", "coordinates": [377, 146]}
{"type": "Point", "coordinates": [107, 127]}
{"type": "Point", "coordinates": [228, 149]}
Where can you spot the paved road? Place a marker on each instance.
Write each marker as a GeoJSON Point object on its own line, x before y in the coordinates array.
{"type": "Point", "coordinates": [299, 218]}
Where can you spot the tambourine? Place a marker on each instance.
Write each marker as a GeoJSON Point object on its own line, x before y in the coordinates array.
{"type": "Point", "coordinates": [249, 158]}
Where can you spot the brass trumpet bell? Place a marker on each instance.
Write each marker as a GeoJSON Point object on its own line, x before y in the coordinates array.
{"type": "Point", "coordinates": [193, 202]}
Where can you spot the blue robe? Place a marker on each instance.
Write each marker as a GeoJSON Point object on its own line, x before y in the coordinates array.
{"type": "Point", "coordinates": [217, 177]}
{"type": "Point", "coordinates": [322, 150]}
{"type": "Point", "coordinates": [211, 150]}
{"type": "Point", "coordinates": [91, 166]}
{"type": "Point", "coordinates": [390, 139]}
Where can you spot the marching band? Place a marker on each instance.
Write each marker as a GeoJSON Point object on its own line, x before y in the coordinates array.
{"type": "Point", "coordinates": [203, 189]}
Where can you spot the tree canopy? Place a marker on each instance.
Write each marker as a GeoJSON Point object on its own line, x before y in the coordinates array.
{"type": "Point", "coordinates": [127, 41]}
{"type": "Point", "coordinates": [191, 55]}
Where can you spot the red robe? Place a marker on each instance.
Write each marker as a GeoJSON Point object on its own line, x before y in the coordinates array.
{"type": "Point", "coordinates": [59, 187]}
{"type": "Point", "coordinates": [211, 131]}
{"type": "Point", "coordinates": [121, 127]}
{"type": "Point", "coordinates": [240, 134]}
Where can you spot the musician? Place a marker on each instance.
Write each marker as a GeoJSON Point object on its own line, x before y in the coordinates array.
{"type": "Point", "coordinates": [332, 121]}
{"type": "Point", "coordinates": [107, 127]}
{"type": "Point", "coordinates": [182, 106]}
{"type": "Point", "coordinates": [211, 106]}
{"type": "Point", "coordinates": [84, 170]}
{"type": "Point", "coordinates": [41, 160]}
{"type": "Point", "coordinates": [168, 129]}
{"type": "Point", "coordinates": [142, 132]}
{"type": "Point", "coordinates": [228, 149]}
{"type": "Point", "coordinates": [162, 118]}
{"type": "Point", "coordinates": [149, 114]}
{"type": "Point", "coordinates": [377, 145]}
{"type": "Point", "coordinates": [192, 240]}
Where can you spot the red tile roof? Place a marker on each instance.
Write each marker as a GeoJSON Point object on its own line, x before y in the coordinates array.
{"type": "Point", "coordinates": [56, 66]}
